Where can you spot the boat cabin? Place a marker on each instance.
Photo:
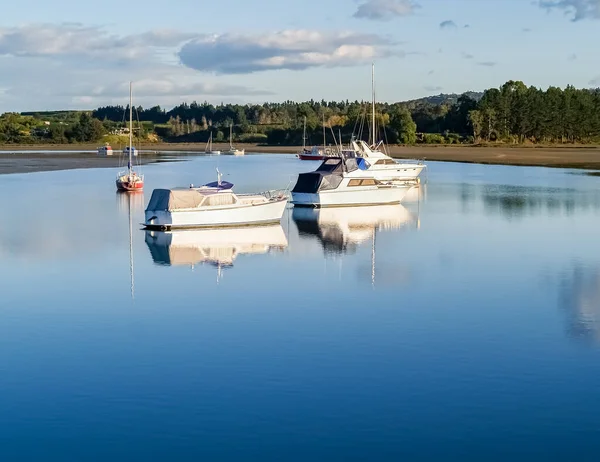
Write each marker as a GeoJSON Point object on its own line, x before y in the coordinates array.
{"type": "Point", "coordinates": [171, 200]}
{"type": "Point", "coordinates": [329, 175]}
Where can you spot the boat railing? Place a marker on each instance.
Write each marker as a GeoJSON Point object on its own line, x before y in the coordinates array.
{"type": "Point", "coordinates": [271, 195]}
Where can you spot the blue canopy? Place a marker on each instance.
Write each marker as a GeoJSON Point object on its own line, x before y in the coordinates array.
{"type": "Point", "coordinates": [222, 185]}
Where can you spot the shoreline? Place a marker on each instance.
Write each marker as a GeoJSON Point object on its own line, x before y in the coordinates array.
{"type": "Point", "coordinates": [16, 159]}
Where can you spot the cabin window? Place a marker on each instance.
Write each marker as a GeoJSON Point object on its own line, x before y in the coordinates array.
{"type": "Point", "coordinates": [354, 183]}
{"type": "Point", "coordinates": [385, 162]}
{"type": "Point", "coordinates": [369, 182]}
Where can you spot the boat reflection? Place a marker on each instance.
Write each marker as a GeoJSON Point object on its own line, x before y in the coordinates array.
{"type": "Point", "coordinates": [217, 247]}
{"type": "Point", "coordinates": [130, 201]}
{"type": "Point", "coordinates": [580, 299]}
{"type": "Point", "coordinates": [342, 229]}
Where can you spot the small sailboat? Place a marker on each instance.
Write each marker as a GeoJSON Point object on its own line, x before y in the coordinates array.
{"type": "Point", "coordinates": [232, 150]}
{"type": "Point", "coordinates": [317, 153]}
{"type": "Point", "coordinates": [130, 180]}
{"type": "Point", "coordinates": [209, 148]}
{"type": "Point", "coordinates": [213, 205]}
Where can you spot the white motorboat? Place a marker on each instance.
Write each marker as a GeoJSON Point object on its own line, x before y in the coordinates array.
{"type": "Point", "coordinates": [340, 182]}
{"type": "Point", "coordinates": [386, 168]}
{"type": "Point", "coordinates": [232, 150]}
{"type": "Point", "coordinates": [209, 149]}
{"type": "Point", "coordinates": [211, 206]}
{"type": "Point", "coordinates": [382, 165]}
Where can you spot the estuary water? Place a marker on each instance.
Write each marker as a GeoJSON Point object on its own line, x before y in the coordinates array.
{"type": "Point", "coordinates": [462, 325]}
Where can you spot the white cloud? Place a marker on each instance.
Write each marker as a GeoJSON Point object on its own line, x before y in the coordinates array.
{"type": "Point", "coordinates": [79, 41]}
{"type": "Point", "coordinates": [64, 66]}
{"type": "Point", "coordinates": [384, 10]}
{"type": "Point", "coordinates": [577, 9]}
{"type": "Point", "coordinates": [288, 49]}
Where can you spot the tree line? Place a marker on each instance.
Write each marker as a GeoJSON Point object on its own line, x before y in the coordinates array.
{"type": "Point", "coordinates": [513, 113]}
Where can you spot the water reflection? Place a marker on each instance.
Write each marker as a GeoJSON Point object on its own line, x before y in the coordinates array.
{"type": "Point", "coordinates": [521, 201]}
{"type": "Point", "coordinates": [341, 230]}
{"type": "Point", "coordinates": [580, 298]}
{"type": "Point", "coordinates": [217, 247]}
{"type": "Point", "coordinates": [129, 202]}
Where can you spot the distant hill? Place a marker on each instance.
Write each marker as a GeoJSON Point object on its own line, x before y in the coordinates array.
{"type": "Point", "coordinates": [444, 98]}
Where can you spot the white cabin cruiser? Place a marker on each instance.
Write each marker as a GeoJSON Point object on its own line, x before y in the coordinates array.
{"type": "Point", "coordinates": [385, 167]}
{"type": "Point", "coordinates": [213, 205]}
{"type": "Point", "coordinates": [340, 182]}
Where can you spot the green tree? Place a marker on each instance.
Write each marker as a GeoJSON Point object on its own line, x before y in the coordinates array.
{"type": "Point", "coordinates": [402, 123]}
{"type": "Point", "coordinates": [476, 121]}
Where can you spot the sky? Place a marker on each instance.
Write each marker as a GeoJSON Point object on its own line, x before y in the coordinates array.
{"type": "Point", "coordinates": [82, 55]}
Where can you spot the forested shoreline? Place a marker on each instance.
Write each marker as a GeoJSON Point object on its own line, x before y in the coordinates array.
{"type": "Point", "coordinates": [511, 114]}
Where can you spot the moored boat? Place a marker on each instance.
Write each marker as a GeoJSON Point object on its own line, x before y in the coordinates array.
{"type": "Point", "coordinates": [130, 180]}
{"type": "Point", "coordinates": [105, 150]}
{"type": "Point", "coordinates": [341, 182]}
{"type": "Point", "coordinates": [213, 205]}
{"type": "Point", "coordinates": [209, 147]}
{"type": "Point", "coordinates": [233, 150]}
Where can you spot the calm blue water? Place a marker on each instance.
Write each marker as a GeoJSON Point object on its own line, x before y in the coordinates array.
{"type": "Point", "coordinates": [464, 325]}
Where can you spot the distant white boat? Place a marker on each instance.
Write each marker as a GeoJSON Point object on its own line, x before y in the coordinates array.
{"type": "Point", "coordinates": [232, 150]}
{"type": "Point", "coordinates": [340, 182]}
{"type": "Point", "coordinates": [105, 150]}
{"type": "Point", "coordinates": [211, 206]}
{"type": "Point", "coordinates": [209, 149]}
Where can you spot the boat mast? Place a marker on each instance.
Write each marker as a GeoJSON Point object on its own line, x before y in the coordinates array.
{"type": "Point", "coordinates": [373, 103]}
{"type": "Point", "coordinates": [324, 142]}
{"type": "Point", "coordinates": [304, 136]}
{"type": "Point", "coordinates": [130, 127]}
{"type": "Point", "coordinates": [230, 136]}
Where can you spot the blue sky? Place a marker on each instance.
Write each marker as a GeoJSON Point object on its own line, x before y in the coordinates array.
{"type": "Point", "coordinates": [83, 54]}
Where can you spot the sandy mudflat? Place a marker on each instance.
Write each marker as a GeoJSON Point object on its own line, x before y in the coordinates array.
{"type": "Point", "coordinates": [14, 160]}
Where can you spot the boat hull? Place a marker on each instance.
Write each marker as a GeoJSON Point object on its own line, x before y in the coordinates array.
{"type": "Point", "coordinates": [311, 157]}
{"type": "Point", "coordinates": [130, 186]}
{"type": "Point", "coordinates": [235, 152]}
{"type": "Point", "coordinates": [213, 153]}
{"type": "Point", "coordinates": [217, 217]}
{"type": "Point", "coordinates": [353, 198]}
